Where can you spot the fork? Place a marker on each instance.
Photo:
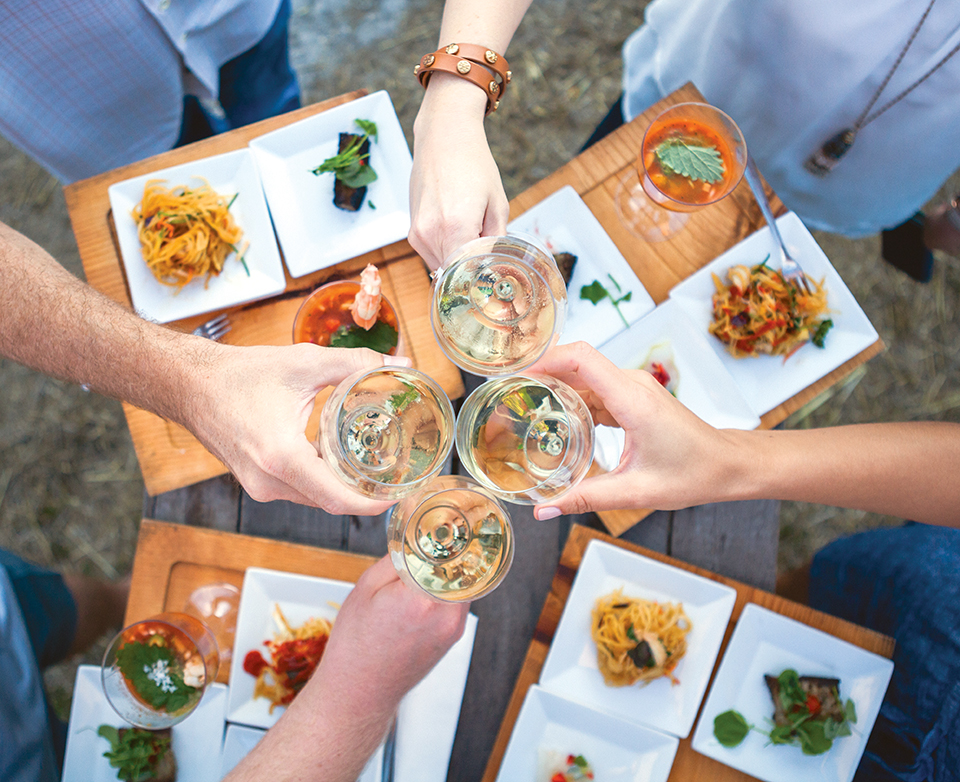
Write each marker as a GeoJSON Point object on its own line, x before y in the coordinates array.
{"type": "Point", "coordinates": [789, 268]}
{"type": "Point", "coordinates": [215, 328]}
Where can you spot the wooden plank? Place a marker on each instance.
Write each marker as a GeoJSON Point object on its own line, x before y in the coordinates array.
{"type": "Point", "coordinates": [735, 539]}
{"type": "Point", "coordinates": [213, 503]}
{"type": "Point", "coordinates": [367, 535]}
{"type": "Point", "coordinates": [653, 532]}
{"type": "Point", "coordinates": [289, 521]}
{"type": "Point", "coordinates": [688, 765]}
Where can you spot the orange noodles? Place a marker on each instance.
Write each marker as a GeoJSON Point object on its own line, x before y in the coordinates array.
{"type": "Point", "coordinates": [759, 312]}
{"type": "Point", "coordinates": [638, 640]}
{"type": "Point", "coordinates": [185, 232]}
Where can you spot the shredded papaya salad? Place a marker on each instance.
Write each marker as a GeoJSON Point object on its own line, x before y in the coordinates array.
{"type": "Point", "coordinates": [760, 313]}
{"type": "Point", "coordinates": [186, 232]}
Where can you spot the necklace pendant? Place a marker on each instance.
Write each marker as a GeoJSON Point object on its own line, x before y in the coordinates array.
{"type": "Point", "coordinates": [823, 161]}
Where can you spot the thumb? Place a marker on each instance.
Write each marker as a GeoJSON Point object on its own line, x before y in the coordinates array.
{"type": "Point", "coordinates": [603, 492]}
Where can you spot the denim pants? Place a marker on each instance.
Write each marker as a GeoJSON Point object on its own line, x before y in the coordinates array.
{"type": "Point", "coordinates": [904, 582]}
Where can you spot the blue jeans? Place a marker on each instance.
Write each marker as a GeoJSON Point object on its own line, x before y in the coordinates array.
{"type": "Point", "coordinates": [904, 582]}
{"type": "Point", "coordinates": [253, 86]}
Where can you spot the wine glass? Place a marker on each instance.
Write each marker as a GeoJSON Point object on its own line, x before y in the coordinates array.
{"type": "Point", "coordinates": [452, 539]}
{"type": "Point", "coordinates": [497, 304]}
{"type": "Point", "coordinates": [692, 155]}
{"type": "Point", "coordinates": [386, 431]}
{"type": "Point", "coordinates": [326, 311]}
{"type": "Point", "coordinates": [527, 439]}
{"type": "Point", "coordinates": [155, 671]}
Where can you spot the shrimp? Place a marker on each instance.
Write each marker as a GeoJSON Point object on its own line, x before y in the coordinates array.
{"type": "Point", "coordinates": [366, 304]}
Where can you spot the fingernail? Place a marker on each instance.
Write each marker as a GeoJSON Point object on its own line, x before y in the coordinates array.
{"type": "Point", "coordinates": [545, 514]}
{"type": "Point", "coordinates": [397, 361]}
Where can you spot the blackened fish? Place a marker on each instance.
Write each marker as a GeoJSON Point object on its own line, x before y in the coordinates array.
{"type": "Point", "coordinates": [344, 196]}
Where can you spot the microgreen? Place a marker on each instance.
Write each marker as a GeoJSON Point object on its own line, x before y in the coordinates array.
{"type": "Point", "coordinates": [595, 292]}
{"type": "Point", "coordinates": [694, 161]}
{"type": "Point", "coordinates": [154, 672]}
{"type": "Point", "coordinates": [136, 753]}
{"type": "Point", "coordinates": [349, 166]}
{"type": "Point", "coordinates": [403, 399]}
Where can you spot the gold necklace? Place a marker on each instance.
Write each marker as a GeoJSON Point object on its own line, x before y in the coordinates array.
{"type": "Point", "coordinates": [823, 161]}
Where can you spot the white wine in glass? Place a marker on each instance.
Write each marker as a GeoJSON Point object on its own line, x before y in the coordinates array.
{"type": "Point", "coordinates": [386, 431]}
{"type": "Point", "coordinates": [452, 539]}
{"type": "Point", "coordinates": [527, 439]}
{"type": "Point", "coordinates": [497, 304]}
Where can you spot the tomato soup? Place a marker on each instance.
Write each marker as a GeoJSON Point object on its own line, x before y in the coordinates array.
{"type": "Point", "coordinates": [327, 309]}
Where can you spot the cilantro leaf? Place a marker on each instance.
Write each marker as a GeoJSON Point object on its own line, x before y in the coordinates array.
{"type": "Point", "coordinates": [694, 161]}
{"type": "Point", "coordinates": [134, 752]}
{"type": "Point", "coordinates": [381, 337]}
{"type": "Point", "coordinates": [349, 166]}
{"type": "Point", "coordinates": [594, 292]}
{"type": "Point", "coordinates": [369, 127]}
{"type": "Point", "coordinates": [730, 728]}
{"type": "Point", "coordinates": [154, 673]}
{"type": "Point", "coordinates": [400, 401]}
{"type": "Point", "coordinates": [813, 738]}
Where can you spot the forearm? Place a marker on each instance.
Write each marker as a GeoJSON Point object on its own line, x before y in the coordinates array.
{"type": "Point", "coordinates": [54, 323]}
{"type": "Point", "coordinates": [909, 470]}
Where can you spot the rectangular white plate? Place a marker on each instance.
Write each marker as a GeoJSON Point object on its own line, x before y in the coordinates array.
{"type": "Point", "coordinates": [767, 381]}
{"type": "Point", "coordinates": [429, 713]}
{"type": "Point", "coordinates": [196, 740]}
{"type": "Point", "coordinates": [240, 739]}
{"type": "Point", "coordinates": [764, 642]}
{"type": "Point", "coordinates": [565, 223]}
{"type": "Point", "coordinates": [618, 751]}
{"type": "Point", "coordinates": [313, 233]}
{"type": "Point", "coordinates": [230, 173]}
{"type": "Point", "coordinates": [571, 668]}
{"type": "Point", "coordinates": [704, 385]}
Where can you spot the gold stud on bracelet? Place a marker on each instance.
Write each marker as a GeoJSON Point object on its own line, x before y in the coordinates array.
{"type": "Point", "coordinates": [452, 48]}
{"type": "Point", "coordinates": [490, 56]}
{"type": "Point", "coordinates": [493, 87]}
{"type": "Point", "coordinates": [496, 105]}
{"type": "Point", "coordinates": [416, 69]}
{"type": "Point", "coordinates": [509, 76]}
{"type": "Point", "coordinates": [428, 60]}
{"type": "Point", "coordinates": [463, 66]}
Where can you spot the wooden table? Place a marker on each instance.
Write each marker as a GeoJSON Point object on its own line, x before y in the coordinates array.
{"type": "Point", "coordinates": [736, 540]}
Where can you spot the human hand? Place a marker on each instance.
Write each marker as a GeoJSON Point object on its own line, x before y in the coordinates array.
{"type": "Point", "coordinates": [671, 458]}
{"type": "Point", "coordinates": [251, 407]}
{"type": "Point", "coordinates": [940, 232]}
{"type": "Point", "coordinates": [455, 190]}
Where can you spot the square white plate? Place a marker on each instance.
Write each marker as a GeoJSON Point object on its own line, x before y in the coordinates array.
{"type": "Point", "coordinates": [764, 642]}
{"type": "Point", "coordinates": [428, 715]}
{"type": "Point", "coordinates": [767, 381]}
{"type": "Point", "coordinates": [313, 233]}
{"type": "Point", "coordinates": [571, 668]}
{"type": "Point", "coordinates": [704, 385]}
{"type": "Point", "coordinates": [240, 739]}
{"type": "Point", "coordinates": [565, 223]}
{"type": "Point", "coordinates": [618, 751]}
{"type": "Point", "coordinates": [232, 172]}
{"type": "Point", "coordinates": [196, 740]}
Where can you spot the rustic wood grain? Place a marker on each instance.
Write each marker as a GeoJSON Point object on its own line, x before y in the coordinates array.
{"type": "Point", "coordinates": [170, 457]}
{"type": "Point", "coordinates": [688, 765]}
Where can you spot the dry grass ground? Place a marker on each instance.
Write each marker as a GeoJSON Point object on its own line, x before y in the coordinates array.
{"type": "Point", "coordinates": [70, 488]}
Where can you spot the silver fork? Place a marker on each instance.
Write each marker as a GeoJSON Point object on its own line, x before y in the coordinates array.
{"type": "Point", "coordinates": [788, 266]}
{"type": "Point", "coordinates": [215, 328]}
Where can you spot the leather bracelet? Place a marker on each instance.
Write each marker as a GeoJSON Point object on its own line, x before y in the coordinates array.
{"type": "Point", "coordinates": [953, 213]}
{"type": "Point", "coordinates": [477, 64]}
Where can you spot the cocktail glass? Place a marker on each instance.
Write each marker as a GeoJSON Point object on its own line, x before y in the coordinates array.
{"type": "Point", "coordinates": [326, 311]}
{"type": "Point", "coordinates": [155, 671]}
{"type": "Point", "coordinates": [498, 304]}
{"type": "Point", "coordinates": [692, 155]}
{"type": "Point", "coordinates": [451, 540]}
{"type": "Point", "coordinates": [385, 432]}
{"type": "Point", "coordinates": [525, 438]}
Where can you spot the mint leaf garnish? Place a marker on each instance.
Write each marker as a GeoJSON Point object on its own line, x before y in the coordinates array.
{"type": "Point", "coordinates": [694, 161]}
{"type": "Point", "coordinates": [155, 674]}
{"type": "Point", "coordinates": [381, 337]}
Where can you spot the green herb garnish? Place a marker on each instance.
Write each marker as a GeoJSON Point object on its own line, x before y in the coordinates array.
{"type": "Point", "coordinates": [812, 733]}
{"type": "Point", "coordinates": [381, 337]}
{"type": "Point", "coordinates": [154, 672]}
{"type": "Point", "coordinates": [136, 753]}
{"type": "Point", "coordinates": [400, 401]}
{"type": "Point", "coordinates": [595, 292]}
{"type": "Point", "coordinates": [821, 333]}
{"type": "Point", "coordinates": [349, 166]}
{"type": "Point", "coordinates": [694, 161]}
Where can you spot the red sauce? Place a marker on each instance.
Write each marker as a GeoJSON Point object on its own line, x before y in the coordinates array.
{"type": "Point", "coordinates": [253, 663]}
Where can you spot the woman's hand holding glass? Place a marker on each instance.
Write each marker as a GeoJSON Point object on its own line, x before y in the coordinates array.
{"type": "Point", "coordinates": [671, 458]}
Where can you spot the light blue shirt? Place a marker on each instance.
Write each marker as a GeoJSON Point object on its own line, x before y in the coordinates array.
{"type": "Point", "coordinates": [90, 85]}
{"type": "Point", "coordinates": [26, 745]}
